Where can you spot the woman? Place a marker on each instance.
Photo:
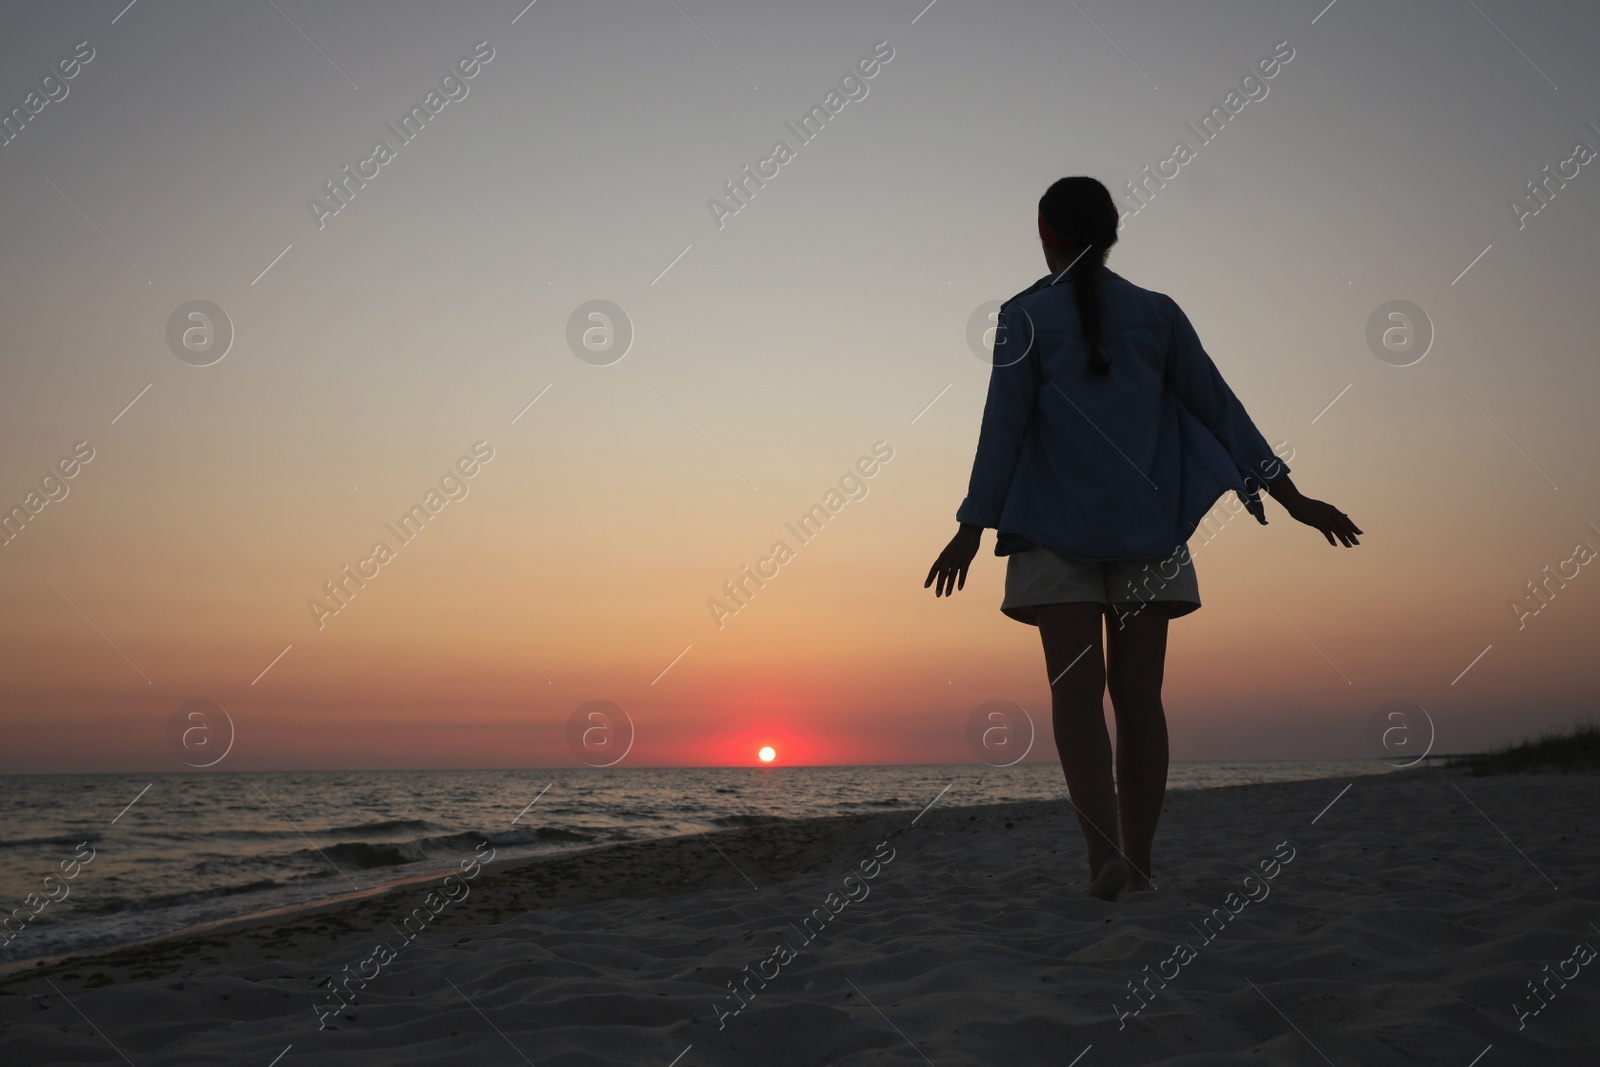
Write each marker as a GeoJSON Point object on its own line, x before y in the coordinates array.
{"type": "Point", "coordinates": [1107, 434]}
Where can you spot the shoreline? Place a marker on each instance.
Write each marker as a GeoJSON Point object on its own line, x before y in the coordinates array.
{"type": "Point", "coordinates": [283, 926]}
{"type": "Point", "coordinates": [134, 957]}
{"type": "Point", "coordinates": [265, 911]}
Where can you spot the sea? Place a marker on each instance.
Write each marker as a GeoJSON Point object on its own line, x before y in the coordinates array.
{"type": "Point", "coordinates": [102, 860]}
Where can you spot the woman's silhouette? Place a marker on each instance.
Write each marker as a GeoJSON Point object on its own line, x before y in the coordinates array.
{"type": "Point", "coordinates": [1107, 435]}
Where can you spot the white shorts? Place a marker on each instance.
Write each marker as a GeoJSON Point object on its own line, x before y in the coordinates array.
{"type": "Point", "coordinates": [1040, 576]}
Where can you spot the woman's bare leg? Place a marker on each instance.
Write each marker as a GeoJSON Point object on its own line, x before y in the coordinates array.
{"type": "Point", "coordinates": [1077, 671]}
{"type": "Point", "coordinates": [1136, 655]}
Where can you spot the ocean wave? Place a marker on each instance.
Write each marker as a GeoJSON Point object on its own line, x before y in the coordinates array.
{"type": "Point", "coordinates": [69, 840]}
{"type": "Point", "coordinates": [190, 836]}
{"type": "Point", "coordinates": [367, 829]}
{"type": "Point", "coordinates": [368, 854]}
{"type": "Point", "coordinates": [113, 905]}
{"type": "Point", "coordinates": [364, 855]}
{"type": "Point", "coordinates": [745, 820]}
{"type": "Point", "coordinates": [384, 826]}
{"type": "Point", "coordinates": [468, 841]}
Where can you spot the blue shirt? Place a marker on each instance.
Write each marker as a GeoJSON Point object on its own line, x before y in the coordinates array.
{"type": "Point", "coordinates": [1114, 466]}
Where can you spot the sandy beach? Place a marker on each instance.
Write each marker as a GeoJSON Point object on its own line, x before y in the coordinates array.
{"type": "Point", "coordinates": [1420, 917]}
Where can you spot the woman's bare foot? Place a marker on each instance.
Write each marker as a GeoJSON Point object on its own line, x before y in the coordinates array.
{"type": "Point", "coordinates": [1110, 881]}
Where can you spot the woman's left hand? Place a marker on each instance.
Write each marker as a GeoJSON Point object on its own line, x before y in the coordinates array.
{"type": "Point", "coordinates": [950, 569]}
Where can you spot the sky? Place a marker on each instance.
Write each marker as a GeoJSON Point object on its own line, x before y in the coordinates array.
{"type": "Point", "coordinates": [355, 360]}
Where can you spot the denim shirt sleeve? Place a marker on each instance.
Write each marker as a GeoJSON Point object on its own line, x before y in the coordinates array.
{"type": "Point", "coordinates": [1006, 415]}
{"type": "Point", "coordinates": [1200, 387]}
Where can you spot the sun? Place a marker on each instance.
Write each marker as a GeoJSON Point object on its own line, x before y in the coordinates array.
{"type": "Point", "coordinates": [767, 754]}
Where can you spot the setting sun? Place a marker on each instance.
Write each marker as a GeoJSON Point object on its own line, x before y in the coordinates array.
{"type": "Point", "coordinates": [768, 754]}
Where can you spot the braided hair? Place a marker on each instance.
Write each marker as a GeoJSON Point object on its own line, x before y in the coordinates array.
{"type": "Point", "coordinates": [1080, 212]}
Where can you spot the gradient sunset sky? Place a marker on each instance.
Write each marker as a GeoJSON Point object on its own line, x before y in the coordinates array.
{"type": "Point", "coordinates": [772, 349]}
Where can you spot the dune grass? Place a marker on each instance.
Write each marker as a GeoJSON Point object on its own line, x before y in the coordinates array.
{"type": "Point", "coordinates": [1557, 750]}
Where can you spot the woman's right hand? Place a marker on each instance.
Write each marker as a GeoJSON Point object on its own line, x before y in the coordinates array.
{"type": "Point", "coordinates": [950, 569]}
